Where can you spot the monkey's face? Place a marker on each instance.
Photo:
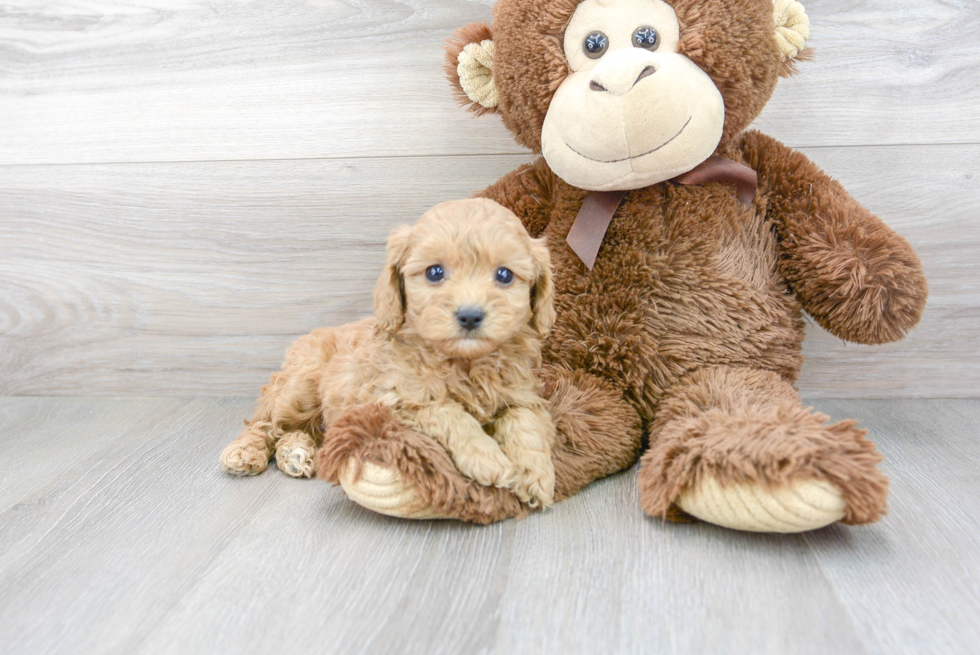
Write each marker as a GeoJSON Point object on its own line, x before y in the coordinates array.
{"type": "Point", "coordinates": [633, 111]}
{"type": "Point", "coordinates": [621, 94]}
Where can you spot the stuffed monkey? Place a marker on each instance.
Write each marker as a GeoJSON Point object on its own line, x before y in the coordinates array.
{"type": "Point", "coordinates": [685, 250]}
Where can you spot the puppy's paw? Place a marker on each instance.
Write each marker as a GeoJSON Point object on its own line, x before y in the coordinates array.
{"type": "Point", "coordinates": [535, 481]}
{"type": "Point", "coordinates": [296, 461]}
{"type": "Point", "coordinates": [244, 460]}
{"type": "Point", "coordinates": [486, 464]}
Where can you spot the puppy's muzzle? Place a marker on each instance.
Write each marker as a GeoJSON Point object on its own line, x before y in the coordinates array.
{"type": "Point", "coordinates": [470, 317]}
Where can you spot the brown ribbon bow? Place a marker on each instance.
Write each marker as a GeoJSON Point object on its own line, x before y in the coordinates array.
{"type": "Point", "coordinates": [597, 210]}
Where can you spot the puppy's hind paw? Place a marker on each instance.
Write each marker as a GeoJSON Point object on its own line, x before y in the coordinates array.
{"type": "Point", "coordinates": [244, 460]}
{"type": "Point", "coordinates": [296, 462]}
{"type": "Point", "coordinates": [294, 454]}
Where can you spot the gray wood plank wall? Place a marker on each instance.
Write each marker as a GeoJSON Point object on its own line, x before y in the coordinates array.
{"type": "Point", "coordinates": [185, 188]}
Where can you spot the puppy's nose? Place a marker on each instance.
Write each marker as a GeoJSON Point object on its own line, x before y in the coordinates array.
{"type": "Point", "coordinates": [470, 317]}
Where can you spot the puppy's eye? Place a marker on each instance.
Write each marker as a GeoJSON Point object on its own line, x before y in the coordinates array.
{"type": "Point", "coordinates": [646, 37]}
{"type": "Point", "coordinates": [504, 276]}
{"type": "Point", "coordinates": [595, 45]}
{"type": "Point", "coordinates": [434, 273]}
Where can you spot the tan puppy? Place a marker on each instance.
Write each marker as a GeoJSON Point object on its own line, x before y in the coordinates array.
{"type": "Point", "coordinates": [460, 310]}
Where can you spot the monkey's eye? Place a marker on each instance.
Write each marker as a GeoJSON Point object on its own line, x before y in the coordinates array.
{"type": "Point", "coordinates": [504, 276]}
{"type": "Point", "coordinates": [646, 37]}
{"type": "Point", "coordinates": [434, 273]}
{"type": "Point", "coordinates": [595, 45]}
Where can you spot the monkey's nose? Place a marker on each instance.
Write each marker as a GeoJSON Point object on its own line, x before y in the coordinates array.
{"type": "Point", "coordinates": [617, 83]}
{"type": "Point", "coordinates": [470, 317]}
{"type": "Point", "coordinates": [646, 72]}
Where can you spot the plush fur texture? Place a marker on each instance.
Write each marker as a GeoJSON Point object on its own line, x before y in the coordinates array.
{"type": "Point", "coordinates": [594, 440]}
{"type": "Point", "coordinates": [689, 327]}
{"type": "Point", "coordinates": [374, 433]}
{"type": "Point", "coordinates": [470, 33]}
{"type": "Point", "coordinates": [737, 425]}
{"type": "Point", "coordinates": [854, 275]}
{"type": "Point", "coordinates": [416, 357]}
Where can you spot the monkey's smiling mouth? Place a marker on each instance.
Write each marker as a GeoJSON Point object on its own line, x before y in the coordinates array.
{"type": "Point", "coordinates": [648, 152]}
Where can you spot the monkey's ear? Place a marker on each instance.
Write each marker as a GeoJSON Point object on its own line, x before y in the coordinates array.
{"type": "Point", "coordinates": [389, 292]}
{"type": "Point", "coordinates": [792, 31]}
{"type": "Point", "coordinates": [469, 67]}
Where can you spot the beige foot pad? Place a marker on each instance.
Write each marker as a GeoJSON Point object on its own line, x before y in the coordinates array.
{"type": "Point", "coordinates": [798, 506]}
{"type": "Point", "coordinates": [383, 490]}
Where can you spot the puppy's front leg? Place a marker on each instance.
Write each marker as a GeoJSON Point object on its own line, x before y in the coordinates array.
{"type": "Point", "coordinates": [526, 435]}
{"type": "Point", "coordinates": [474, 452]}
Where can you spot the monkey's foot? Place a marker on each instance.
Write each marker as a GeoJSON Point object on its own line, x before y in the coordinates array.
{"type": "Point", "coordinates": [736, 448]}
{"type": "Point", "coordinates": [387, 467]}
{"type": "Point", "coordinates": [797, 506]}
{"type": "Point", "coordinates": [384, 490]}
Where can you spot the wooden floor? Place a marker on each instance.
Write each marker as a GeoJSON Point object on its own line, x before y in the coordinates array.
{"type": "Point", "coordinates": [119, 534]}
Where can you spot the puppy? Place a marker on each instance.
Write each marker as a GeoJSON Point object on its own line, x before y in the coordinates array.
{"type": "Point", "coordinates": [461, 308]}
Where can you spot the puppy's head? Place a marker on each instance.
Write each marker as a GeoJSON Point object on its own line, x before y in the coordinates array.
{"type": "Point", "coordinates": [466, 278]}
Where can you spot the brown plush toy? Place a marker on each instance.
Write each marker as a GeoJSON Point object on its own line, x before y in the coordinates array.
{"type": "Point", "coordinates": [685, 250]}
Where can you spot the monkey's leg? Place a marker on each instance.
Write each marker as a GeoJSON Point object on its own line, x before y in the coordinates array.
{"type": "Point", "coordinates": [391, 469]}
{"type": "Point", "coordinates": [735, 447]}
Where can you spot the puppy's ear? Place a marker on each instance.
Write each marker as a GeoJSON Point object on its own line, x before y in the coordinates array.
{"type": "Point", "coordinates": [389, 292]}
{"type": "Point", "coordinates": [543, 290]}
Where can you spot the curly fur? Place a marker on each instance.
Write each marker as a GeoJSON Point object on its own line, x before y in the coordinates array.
{"type": "Point", "coordinates": [416, 359]}
{"type": "Point", "coordinates": [592, 442]}
{"type": "Point", "coordinates": [374, 433]}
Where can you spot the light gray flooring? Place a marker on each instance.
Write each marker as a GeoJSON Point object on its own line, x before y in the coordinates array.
{"type": "Point", "coordinates": [119, 534]}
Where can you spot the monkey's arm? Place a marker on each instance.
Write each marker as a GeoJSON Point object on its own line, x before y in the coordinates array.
{"type": "Point", "coordinates": [526, 191]}
{"type": "Point", "coordinates": [858, 278]}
